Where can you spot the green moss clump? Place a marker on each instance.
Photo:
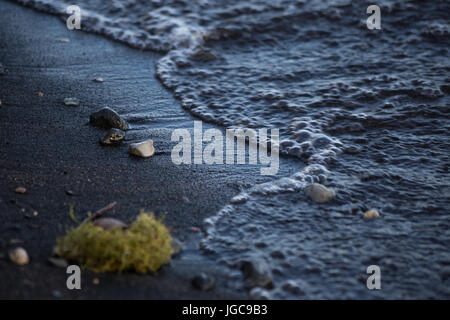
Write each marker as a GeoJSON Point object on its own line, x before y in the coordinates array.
{"type": "Point", "coordinates": [142, 247]}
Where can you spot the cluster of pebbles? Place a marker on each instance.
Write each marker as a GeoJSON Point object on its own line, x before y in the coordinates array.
{"type": "Point", "coordinates": [109, 119]}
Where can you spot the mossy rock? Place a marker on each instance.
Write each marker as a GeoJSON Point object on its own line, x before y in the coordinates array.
{"type": "Point", "coordinates": [142, 247]}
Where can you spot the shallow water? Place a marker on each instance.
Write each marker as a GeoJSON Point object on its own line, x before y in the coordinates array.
{"type": "Point", "coordinates": [367, 111]}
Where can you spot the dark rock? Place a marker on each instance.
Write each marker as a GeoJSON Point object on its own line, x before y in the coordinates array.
{"type": "Point", "coordinates": [277, 254]}
{"type": "Point", "coordinates": [202, 56]}
{"type": "Point", "coordinates": [113, 137]}
{"type": "Point", "coordinates": [108, 118]}
{"type": "Point", "coordinates": [2, 70]}
{"type": "Point", "coordinates": [257, 273]}
{"type": "Point", "coordinates": [203, 282]}
{"type": "Point", "coordinates": [352, 149]}
{"type": "Point", "coordinates": [69, 192]}
{"type": "Point", "coordinates": [445, 88]}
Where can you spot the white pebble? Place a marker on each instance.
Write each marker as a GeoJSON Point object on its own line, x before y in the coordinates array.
{"type": "Point", "coordinates": [143, 149]}
{"type": "Point", "coordinates": [371, 214]}
{"type": "Point", "coordinates": [71, 102]}
{"type": "Point", "coordinates": [319, 193]}
{"type": "Point", "coordinates": [19, 256]}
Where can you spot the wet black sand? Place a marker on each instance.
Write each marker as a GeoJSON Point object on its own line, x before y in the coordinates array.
{"type": "Point", "coordinates": [49, 149]}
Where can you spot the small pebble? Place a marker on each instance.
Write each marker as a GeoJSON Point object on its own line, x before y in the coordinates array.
{"type": "Point", "coordinates": [64, 40]}
{"type": "Point", "coordinates": [69, 192]}
{"type": "Point", "coordinates": [19, 256]}
{"type": "Point", "coordinates": [143, 149]}
{"type": "Point", "coordinates": [257, 273]}
{"type": "Point", "coordinates": [319, 193]}
{"type": "Point", "coordinates": [109, 223]}
{"type": "Point", "coordinates": [58, 262]}
{"type": "Point", "coordinates": [99, 79]}
{"type": "Point", "coordinates": [203, 282]}
{"type": "Point", "coordinates": [35, 213]}
{"type": "Point", "coordinates": [203, 56]}
{"type": "Point", "coordinates": [96, 281]}
{"type": "Point", "coordinates": [113, 137]}
{"type": "Point", "coordinates": [20, 190]}
{"type": "Point", "coordinates": [40, 94]}
{"type": "Point", "coordinates": [371, 214]}
{"type": "Point", "coordinates": [73, 102]}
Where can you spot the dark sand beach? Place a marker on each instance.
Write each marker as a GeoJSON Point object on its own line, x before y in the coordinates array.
{"type": "Point", "coordinates": [49, 149]}
{"type": "Point", "coordinates": [363, 117]}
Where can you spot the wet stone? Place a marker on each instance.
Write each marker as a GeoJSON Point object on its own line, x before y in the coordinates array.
{"type": "Point", "coordinates": [257, 273]}
{"type": "Point", "coordinates": [319, 193]}
{"type": "Point", "coordinates": [143, 149]}
{"type": "Point", "coordinates": [108, 118]}
{"type": "Point", "coordinates": [72, 102]}
{"type": "Point", "coordinates": [203, 282]}
{"type": "Point", "coordinates": [113, 137]}
{"type": "Point", "coordinates": [371, 214]}
{"type": "Point", "coordinates": [203, 56]}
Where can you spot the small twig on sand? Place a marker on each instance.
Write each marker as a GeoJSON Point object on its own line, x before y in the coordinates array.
{"type": "Point", "coordinates": [99, 212]}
